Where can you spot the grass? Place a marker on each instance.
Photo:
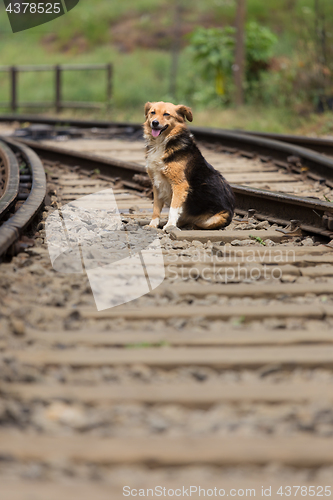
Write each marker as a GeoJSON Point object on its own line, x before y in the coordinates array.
{"type": "Point", "coordinates": [93, 19]}
{"type": "Point", "coordinates": [139, 76]}
{"type": "Point", "coordinates": [258, 239]}
{"type": "Point", "coordinates": [245, 118]}
{"type": "Point", "coordinates": [86, 35]}
{"type": "Point", "coordinates": [265, 119]}
{"type": "Point", "coordinates": [147, 345]}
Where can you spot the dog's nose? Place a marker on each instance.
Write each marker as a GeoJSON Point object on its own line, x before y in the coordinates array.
{"type": "Point", "coordinates": [155, 123]}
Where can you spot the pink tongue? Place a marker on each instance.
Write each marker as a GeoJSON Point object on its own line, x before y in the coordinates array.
{"type": "Point", "coordinates": [155, 133]}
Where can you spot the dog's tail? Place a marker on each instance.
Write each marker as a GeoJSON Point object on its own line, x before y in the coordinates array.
{"type": "Point", "coordinates": [208, 221]}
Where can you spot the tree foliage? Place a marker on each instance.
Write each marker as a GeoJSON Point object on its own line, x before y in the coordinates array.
{"type": "Point", "coordinates": [213, 50]}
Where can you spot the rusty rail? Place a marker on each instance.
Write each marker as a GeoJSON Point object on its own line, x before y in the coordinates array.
{"type": "Point", "coordinates": [11, 229]}
{"type": "Point", "coordinates": [9, 179]}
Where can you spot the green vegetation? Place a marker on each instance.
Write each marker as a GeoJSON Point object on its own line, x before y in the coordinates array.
{"type": "Point", "coordinates": [136, 36]}
{"type": "Point", "coordinates": [132, 85]}
{"type": "Point", "coordinates": [147, 345]}
{"type": "Point", "coordinates": [213, 49]}
{"type": "Point", "coordinates": [258, 239]}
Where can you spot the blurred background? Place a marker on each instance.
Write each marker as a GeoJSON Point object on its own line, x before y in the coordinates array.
{"type": "Point", "coordinates": [247, 64]}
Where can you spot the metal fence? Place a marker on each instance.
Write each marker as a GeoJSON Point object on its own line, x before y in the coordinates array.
{"type": "Point", "coordinates": [58, 102]}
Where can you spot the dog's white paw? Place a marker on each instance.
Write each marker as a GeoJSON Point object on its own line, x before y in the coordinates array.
{"type": "Point", "coordinates": [154, 223]}
{"type": "Point", "coordinates": [170, 227]}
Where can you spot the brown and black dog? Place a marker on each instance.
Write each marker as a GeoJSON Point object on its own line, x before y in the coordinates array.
{"type": "Point", "coordinates": [182, 179]}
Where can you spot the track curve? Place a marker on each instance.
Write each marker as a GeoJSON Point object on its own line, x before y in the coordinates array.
{"type": "Point", "coordinates": [11, 230]}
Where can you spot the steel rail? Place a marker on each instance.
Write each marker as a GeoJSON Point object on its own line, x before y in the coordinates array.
{"type": "Point", "coordinates": [106, 166]}
{"type": "Point", "coordinates": [285, 153]}
{"type": "Point", "coordinates": [321, 145]}
{"type": "Point", "coordinates": [12, 179]}
{"type": "Point", "coordinates": [314, 216]}
{"type": "Point", "coordinates": [11, 230]}
{"type": "Point", "coordinates": [66, 121]}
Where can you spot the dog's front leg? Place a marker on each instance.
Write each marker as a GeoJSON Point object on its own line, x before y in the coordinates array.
{"type": "Point", "coordinates": [158, 205]}
{"type": "Point", "coordinates": [179, 195]}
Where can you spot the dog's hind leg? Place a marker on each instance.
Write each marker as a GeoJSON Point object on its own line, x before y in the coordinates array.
{"type": "Point", "coordinates": [208, 221]}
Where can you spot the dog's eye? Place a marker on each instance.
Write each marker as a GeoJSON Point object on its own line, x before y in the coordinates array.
{"type": "Point", "coordinates": [166, 114]}
{"type": "Point", "coordinates": [152, 113]}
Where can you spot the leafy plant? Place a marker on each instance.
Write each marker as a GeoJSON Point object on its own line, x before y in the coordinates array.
{"type": "Point", "coordinates": [147, 345]}
{"type": "Point", "coordinates": [258, 239]}
{"type": "Point", "coordinates": [260, 42]}
{"type": "Point", "coordinates": [213, 50]}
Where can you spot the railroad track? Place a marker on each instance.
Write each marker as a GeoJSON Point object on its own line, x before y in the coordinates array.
{"type": "Point", "coordinates": [314, 215]}
{"type": "Point", "coordinates": [221, 377]}
{"type": "Point", "coordinates": [24, 191]}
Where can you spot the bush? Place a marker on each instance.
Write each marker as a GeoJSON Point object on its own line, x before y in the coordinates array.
{"type": "Point", "coordinates": [213, 52]}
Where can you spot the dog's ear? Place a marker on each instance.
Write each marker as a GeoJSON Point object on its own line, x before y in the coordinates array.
{"type": "Point", "coordinates": [185, 112]}
{"type": "Point", "coordinates": [148, 105]}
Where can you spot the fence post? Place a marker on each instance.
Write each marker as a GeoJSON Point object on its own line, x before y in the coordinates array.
{"type": "Point", "coordinates": [58, 82]}
{"type": "Point", "coordinates": [109, 69]}
{"type": "Point", "coordinates": [14, 73]}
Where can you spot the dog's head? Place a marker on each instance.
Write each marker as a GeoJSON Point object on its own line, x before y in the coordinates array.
{"type": "Point", "coordinates": [165, 118]}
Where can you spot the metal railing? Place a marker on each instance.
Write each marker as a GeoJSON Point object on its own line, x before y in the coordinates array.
{"type": "Point", "coordinates": [58, 102]}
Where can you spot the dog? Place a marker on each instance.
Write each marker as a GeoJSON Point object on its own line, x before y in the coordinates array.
{"type": "Point", "coordinates": [198, 195]}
